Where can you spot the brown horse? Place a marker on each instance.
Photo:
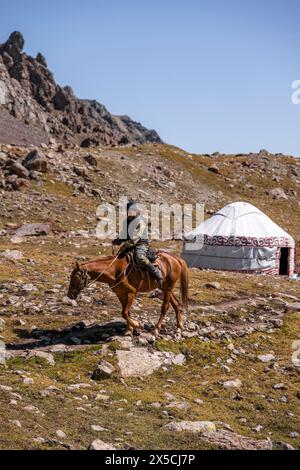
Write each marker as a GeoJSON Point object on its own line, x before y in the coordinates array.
{"type": "Point", "coordinates": [126, 280]}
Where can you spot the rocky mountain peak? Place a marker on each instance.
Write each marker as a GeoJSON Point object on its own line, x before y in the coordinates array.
{"type": "Point", "coordinates": [33, 107]}
{"type": "Point", "coordinates": [15, 41]}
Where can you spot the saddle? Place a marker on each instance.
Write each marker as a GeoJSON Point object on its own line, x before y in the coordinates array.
{"type": "Point", "coordinates": [129, 254]}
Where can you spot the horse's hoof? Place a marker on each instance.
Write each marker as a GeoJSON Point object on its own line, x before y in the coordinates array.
{"type": "Point", "coordinates": [179, 330]}
{"type": "Point", "coordinates": [136, 332]}
{"type": "Point", "coordinates": [156, 332]}
{"type": "Point", "coordinates": [128, 333]}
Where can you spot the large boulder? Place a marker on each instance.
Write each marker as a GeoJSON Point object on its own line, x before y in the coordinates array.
{"type": "Point", "coordinates": [18, 169]}
{"type": "Point", "coordinates": [140, 362]}
{"type": "Point", "coordinates": [35, 162]}
{"type": "Point", "coordinates": [227, 440]}
{"type": "Point", "coordinates": [27, 230]}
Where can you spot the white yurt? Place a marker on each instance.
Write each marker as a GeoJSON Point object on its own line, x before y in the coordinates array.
{"type": "Point", "coordinates": [240, 237]}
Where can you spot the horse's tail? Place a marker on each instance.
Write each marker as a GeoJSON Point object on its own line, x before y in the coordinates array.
{"type": "Point", "coordinates": [184, 283]}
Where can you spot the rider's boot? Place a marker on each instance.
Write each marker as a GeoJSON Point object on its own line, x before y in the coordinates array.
{"type": "Point", "coordinates": [157, 273]}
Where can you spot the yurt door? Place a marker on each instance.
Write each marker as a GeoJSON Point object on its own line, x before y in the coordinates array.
{"type": "Point", "coordinates": [284, 261]}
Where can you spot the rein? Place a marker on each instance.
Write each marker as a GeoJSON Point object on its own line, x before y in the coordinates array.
{"type": "Point", "coordinates": [101, 274]}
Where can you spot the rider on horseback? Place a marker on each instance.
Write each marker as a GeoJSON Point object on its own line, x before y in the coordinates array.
{"type": "Point", "coordinates": [134, 236]}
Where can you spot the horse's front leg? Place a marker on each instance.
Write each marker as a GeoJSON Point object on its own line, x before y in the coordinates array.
{"type": "Point", "coordinates": [164, 309]}
{"type": "Point", "coordinates": [127, 301]}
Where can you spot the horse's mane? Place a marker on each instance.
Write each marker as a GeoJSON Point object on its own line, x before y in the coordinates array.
{"type": "Point", "coordinates": [94, 260]}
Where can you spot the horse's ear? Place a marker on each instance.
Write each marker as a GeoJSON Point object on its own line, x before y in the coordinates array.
{"type": "Point", "coordinates": [77, 265]}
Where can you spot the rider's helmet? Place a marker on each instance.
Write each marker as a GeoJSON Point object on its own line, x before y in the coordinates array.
{"type": "Point", "coordinates": [132, 209]}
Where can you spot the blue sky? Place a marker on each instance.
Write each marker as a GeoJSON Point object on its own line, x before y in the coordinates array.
{"type": "Point", "coordinates": [207, 75]}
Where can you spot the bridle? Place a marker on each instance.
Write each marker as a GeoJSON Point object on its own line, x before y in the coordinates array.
{"type": "Point", "coordinates": [87, 281]}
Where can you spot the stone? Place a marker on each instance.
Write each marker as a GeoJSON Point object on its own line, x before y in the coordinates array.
{"type": "Point", "coordinates": [2, 324]}
{"type": "Point", "coordinates": [77, 386]}
{"type": "Point", "coordinates": [15, 423]}
{"type": "Point", "coordinates": [279, 386]}
{"type": "Point", "coordinates": [18, 183]}
{"type": "Point", "coordinates": [28, 288]}
{"type": "Point", "coordinates": [228, 440]}
{"type": "Point", "coordinates": [60, 434]}
{"type": "Point", "coordinates": [191, 426]}
{"type": "Point", "coordinates": [295, 306]}
{"type": "Point", "coordinates": [48, 357]}
{"type": "Point", "coordinates": [214, 168]}
{"type": "Point", "coordinates": [28, 381]}
{"type": "Point", "coordinates": [91, 160]}
{"type": "Point", "coordinates": [198, 401]}
{"type": "Point", "coordinates": [100, 445]}
{"type": "Point", "coordinates": [266, 357]}
{"type": "Point", "coordinates": [6, 388]}
{"type": "Point", "coordinates": [32, 409]}
{"type": "Point", "coordinates": [104, 370]}
{"type": "Point", "coordinates": [39, 440]}
{"type": "Point", "coordinates": [213, 285]}
{"type": "Point", "coordinates": [278, 193]}
{"type": "Point", "coordinates": [35, 162]}
{"type": "Point", "coordinates": [179, 405]}
{"type": "Point", "coordinates": [97, 428]}
{"type": "Point", "coordinates": [140, 362]}
{"type": "Point", "coordinates": [285, 445]}
{"type": "Point", "coordinates": [18, 169]}
{"type": "Point", "coordinates": [257, 428]}
{"type": "Point", "coordinates": [12, 254]}
{"type": "Point", "coordinates": [236, 383]}
{"type": "Point", "coordinates": [102, 396]}
{"type": "Point", "coordinates": [34, 229]}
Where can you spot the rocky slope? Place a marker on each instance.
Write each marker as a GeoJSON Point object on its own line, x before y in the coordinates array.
{"type": "Point", "coordinates": [228, 382]}
{"type": "Point", "coordinates": [39, 109]}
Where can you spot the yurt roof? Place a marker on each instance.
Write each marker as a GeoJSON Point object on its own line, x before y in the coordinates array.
{"type": "Point", "coordinates": [240, 219]}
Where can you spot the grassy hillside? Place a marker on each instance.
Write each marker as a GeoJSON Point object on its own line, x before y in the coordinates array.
{"type": "Point", "coordinates": [229, 324]}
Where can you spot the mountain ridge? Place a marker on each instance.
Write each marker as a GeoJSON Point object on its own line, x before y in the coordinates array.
{"type": "Point", "coordinates": [31, 96]}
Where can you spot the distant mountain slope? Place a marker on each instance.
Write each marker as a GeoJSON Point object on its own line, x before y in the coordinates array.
{"type": "Point", "coordinates": [40, 109]}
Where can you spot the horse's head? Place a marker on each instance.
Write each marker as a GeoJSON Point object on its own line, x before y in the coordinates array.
{"type": "Point", "coordinates": [79, 280]}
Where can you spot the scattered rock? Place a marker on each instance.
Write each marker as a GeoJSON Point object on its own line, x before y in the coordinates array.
{"type": "Point", "coordinates": [228, 440]}
{"type": "Point", "coordinates": [191, 426]}
{"type": "Point", "coordinates": [266, 357]}
{"type": "Point", "coordinates": [48, 357]}
{"type": "Point", "coordinates": [27, 230]}
{"type": "Point", "coordinates": [214, 168]}
{"type": "Point", "coordinates": [60, 434]}
{"type": "Point", "coordinates": [97, 428]}
{"type": "Point", "coordinates": [213, 285]}
{"type": "Point", "coordinates": [104, 370]}
{"type": "Point", "coordinates": [279, 386]}
{"type": "Point", "coordinates": [236, 383]}
{"type": "Point", "coordinates": [28, 381]}
{"type": "Point", "coordinates": [278, 193]}
{"type": "Point", "coordinates": [15, 423]}
{"type": "Point", "coordinates": [295, 306]}
{"type": "Point", "coordinates": [139, 362]}
{"type": "Point", "coordinates": [32, 409]}
{"type": "Point", "coordinates": [35, 162]}
{"type": "Point", "coordinates": [100, 445]}
{"type": "Point", "coordinates": [257, 428]}
{"type": "Point", "coordinates": [12, 254]}
{"type": "Point", "coordinates": [2, 324]}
